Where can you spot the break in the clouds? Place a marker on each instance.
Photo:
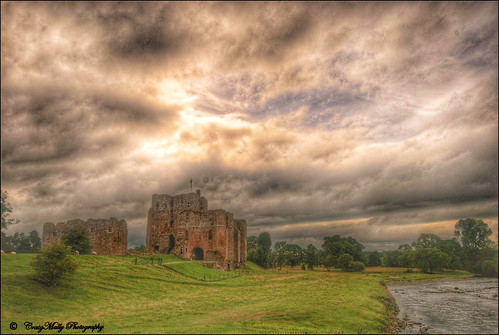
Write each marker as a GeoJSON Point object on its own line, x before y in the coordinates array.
{"type": "Point", "coordinates": [372, 120]}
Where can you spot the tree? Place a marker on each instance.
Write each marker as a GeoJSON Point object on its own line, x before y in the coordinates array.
{"type": "Point", "coordinates": [456, 253]}
{"type": "Point", "coordinates": [34, 240]}
{"type": "Point", "coordinates": [431, 259]}
{"type": "Point", "coordinates": [426, 241]}
{"type": "Point", "coordinates": [280, 255]}
{"type": "Point", "coordinates": [336, 245]}
{"type": "Point", "coordinates": [407, 259]}
{"type": "Point", "coordinates": [77, 239]}
{"type": "Point", "coordinates": [53, 265]}
{"type": "Point", "coordinates": [311, 256]}
{"type": "Point", "coordinates": [263, 252]}
{"type": "Point", "coordinates": [330, 261]}
{"type": "Point", "coordinates": [390, 258]}
{"type": "Point", "coordinates": [21, 243]}
{"type": "Point", "coordinates": [252, 242]}
{"type": "Point", "coordinates": [344, 261]}
{"type": "Point", "coordinates": [6, 210]}
{"type": "Point", "coordinates": [473, 235]}
{"type": "Point", "coordinates": [374, 259]}
{"type": "Point", "coordinates": [293, 254]}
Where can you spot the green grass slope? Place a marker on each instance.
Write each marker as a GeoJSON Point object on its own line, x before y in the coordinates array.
{"type": "Point", "coordinates": [129, 298]}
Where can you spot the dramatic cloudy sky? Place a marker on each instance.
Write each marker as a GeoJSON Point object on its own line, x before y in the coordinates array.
{"type": "Point", "coordinates": [372, 120]}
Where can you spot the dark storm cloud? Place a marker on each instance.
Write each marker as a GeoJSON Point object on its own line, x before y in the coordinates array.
{"type": "Point", "coordinates": [47, 124]}
{"type": "Point", "coordinates": [371, 120]}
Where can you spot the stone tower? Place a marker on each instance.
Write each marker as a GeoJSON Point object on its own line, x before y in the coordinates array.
{"type": "Point", "coordinates": [183, 225]}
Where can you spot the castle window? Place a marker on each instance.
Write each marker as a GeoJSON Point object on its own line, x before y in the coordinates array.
{"type": "Point", "coordinates": [92, 230]}
{"type": "Point", "coordinates": [171, 224]}
{"type": "Point", "coordinates": [156, 248]}
{"type": "Point", "coordinates": [110, 229]}
{"type": "Point", "coordinates": [157, 205]}
{"type": "Point", "coordinates": [209, 235]}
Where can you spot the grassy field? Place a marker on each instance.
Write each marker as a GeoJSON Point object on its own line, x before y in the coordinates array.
{"type": "Point", "coordinates": [129, 298]}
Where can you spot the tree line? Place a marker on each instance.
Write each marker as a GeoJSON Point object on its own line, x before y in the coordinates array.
{"type": "Point", "coordinates": [471, 249]}
{"type": "Point", "coordinates": [336, 251]}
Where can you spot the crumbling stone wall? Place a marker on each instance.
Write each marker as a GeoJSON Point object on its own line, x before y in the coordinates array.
{"type": "Point", "coordinates": [107, 236]}
{"type": "Point", "coordinates": [183, 225]}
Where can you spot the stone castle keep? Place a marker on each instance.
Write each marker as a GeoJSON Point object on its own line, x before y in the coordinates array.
{"type": "Point", "coordinates": [107, 236]}
{"type": "Point", "coordinates": [183, 225]}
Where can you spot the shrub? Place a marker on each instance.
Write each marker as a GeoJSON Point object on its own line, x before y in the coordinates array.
{"type": "Point", "coordinates": [356, 266]}
{"type": "Point", "coordinates": [344, 260]}
{"type": "Point", "coordinates": [53, 265]}
{"type": "Point", "coordinates": [77, 238]}
{"type": "Point", "coordinates": [489, 268]}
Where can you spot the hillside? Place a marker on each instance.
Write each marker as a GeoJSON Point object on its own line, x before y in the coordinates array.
{"type": "Point", "coordinates": [129, 298]}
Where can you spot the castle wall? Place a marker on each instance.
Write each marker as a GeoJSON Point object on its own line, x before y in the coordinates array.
{"type": "Point", "coordinates": [180, 224]}
{"type": "Point", "coordinates": [107, 236]}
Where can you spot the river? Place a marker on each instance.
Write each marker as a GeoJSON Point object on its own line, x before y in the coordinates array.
{"type": "Point", "coordinates": [448, 307]}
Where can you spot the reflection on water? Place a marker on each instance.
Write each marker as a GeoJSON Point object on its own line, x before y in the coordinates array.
{"type": "Point", "coordinates": [448, 307]}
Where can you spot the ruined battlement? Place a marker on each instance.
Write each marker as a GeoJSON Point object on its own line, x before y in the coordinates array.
{"type": "Point", "coordinates": [183, 225]}
{"type": "Point", "coordinates": [193, 201]}
{"type": "Point", "coordinates": [107, 236]}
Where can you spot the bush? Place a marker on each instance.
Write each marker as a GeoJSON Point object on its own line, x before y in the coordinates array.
{"type": "Point", "coordinates": [344, 260]}
{"type": "Point", "coordinates": [77, 238]}
{"type": "Point", "coordinates": [489, 268]}
{"type": "Point", "coordinates": [53, 265]}
{"type": "Point", "coordinates": [356, 266]}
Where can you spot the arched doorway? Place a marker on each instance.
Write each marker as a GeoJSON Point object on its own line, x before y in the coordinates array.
{"type": "Point", "coordinates": [198, 254]}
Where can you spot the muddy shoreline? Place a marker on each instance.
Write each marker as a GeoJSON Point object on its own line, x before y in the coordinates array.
{"type": "Point", "coordinates": [446, 306]}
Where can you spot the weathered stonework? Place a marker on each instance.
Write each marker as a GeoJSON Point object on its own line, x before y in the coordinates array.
{"type": "Point", "coordinates": [107, 236]}
{"type": "Point", "coordinates": [183, 225]}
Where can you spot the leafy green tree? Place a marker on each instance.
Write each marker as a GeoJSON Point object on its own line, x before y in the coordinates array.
{"type": "Point", "coordinates": [407, 259]}
{"type": "Point", "coordinates": [280, 254]}
{"type": "Point", "coordinates": [264, 254]}
{"type": "Point", "coordinates": [252, 242]}
{"type": "Point", "coordinates": [473, 235]}
{"type": "Point", "coordinates": [456, 253]}
{"type": "Point", "coordinates": [53, 265]}
{"type": "Point", "coordinates": [431, 259]}
{"type": "Point", "coordinates": [336, 245]}
{"type": "Point", "coordinates": [356, 266]}
{"type": "Point", "coordinates": [489, 268]}
{"type": "Point", "coordinates": [390, 258]}
{"type": "Point", "coordinates": [77, 239]}
{"type": "Point", "coordinates": [426, 241]}
{"type": "Point", "coordinates": [374, 259]}
{"type": "Point", "coordinates": [330, 261]}
{"type": "Point", "coordinates": [34, 240]}
{"type": "Point", "coordinates": [311, 258]}
{"type": "Point", "coordinates": [21, 243]}
{"type": "Point", "coordinates": [293, 254]}
{"type": "Point", "coordinates": [344, 261]}
{"type": "Point", "coordinates": [5, 215]}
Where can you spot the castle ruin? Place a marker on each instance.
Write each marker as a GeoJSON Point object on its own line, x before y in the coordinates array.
{"type": "Point", "coordinates": [182, 225]}
{"type": "Point", "coordinates": [107, 236]}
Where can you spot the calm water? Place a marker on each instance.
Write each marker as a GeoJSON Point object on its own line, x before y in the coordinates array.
{"type": "Point", "coordinates": [448, 307]}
